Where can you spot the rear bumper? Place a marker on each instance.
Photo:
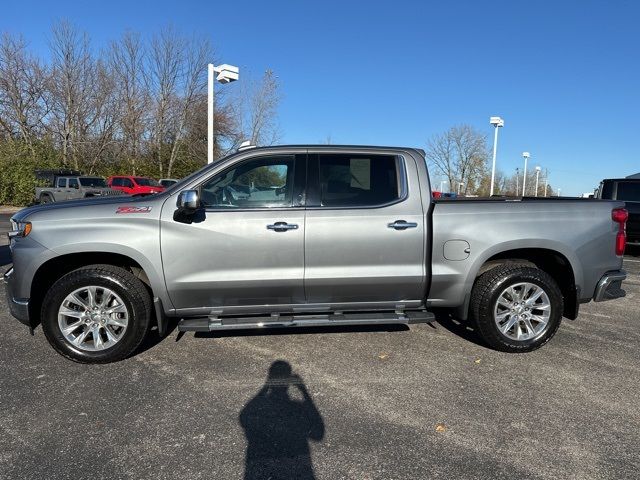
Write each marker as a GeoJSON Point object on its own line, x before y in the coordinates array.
{"type": "Point", "coordinates": [610, 286]}
{"type": "Point", "coordinates": [19, 307]}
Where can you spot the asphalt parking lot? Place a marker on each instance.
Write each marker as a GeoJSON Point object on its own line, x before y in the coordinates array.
{"type": "Point", "coordinates": [365, 403]}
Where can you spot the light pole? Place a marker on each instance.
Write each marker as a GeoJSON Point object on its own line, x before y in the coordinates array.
{"type": "Point", "coordinates": [517, 181]}
{"type": "Point", "coordinates": [537, 176]}
{"type": "Point", "coordinates": [497, 122]}
{"type": "Point", "coordinates": [526, 156]}
{"type": "Point", "coordinates": [226, 74]}
{"type": "Point", "coordinates": [460, 184]}
{"type": "Point", "coordinates": [441, 186]}
{"type": "Point", "coordinates": [559, 191]}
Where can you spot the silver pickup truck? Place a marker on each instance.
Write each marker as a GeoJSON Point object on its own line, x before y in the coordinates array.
{"type": "Point", "coordinates": [308, 236]}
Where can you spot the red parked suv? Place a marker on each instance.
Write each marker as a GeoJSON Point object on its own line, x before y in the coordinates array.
{"type": "Point", "coordinates": [134, 185]}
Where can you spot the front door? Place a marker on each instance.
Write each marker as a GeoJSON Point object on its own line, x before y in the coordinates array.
{"type": "Point", "coordinates": [365, 231]}
{"type": "Point", "coordinates": [245, 248]}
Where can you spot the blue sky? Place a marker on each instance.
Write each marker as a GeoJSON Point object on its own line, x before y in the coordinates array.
{"type": "Point", "coordinates": [565, 75]}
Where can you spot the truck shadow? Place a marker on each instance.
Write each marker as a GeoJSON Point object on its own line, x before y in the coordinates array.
{"type": "Point", "coordinates": [279, 424]}
{"type": "Point", "coordinates": [301, 331]}
{"type": "Point", "coordinates": [5, 255]}
{"type": "Point", "coordinates": [460, 328]}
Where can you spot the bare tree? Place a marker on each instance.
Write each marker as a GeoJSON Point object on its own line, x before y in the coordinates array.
{"type": "Point", "coordinates": [192, 87]}
{"type": "Point", "coordinates": [166, 52]}
{"type": "Point", "coordinates": [259, 110]}
{"type": "Point", "coordinates": [22, 91]}
{"type": "Point", "coordinates": [461, 155]}
{"type": "Point", "coordinates": [127, 59]}
{"type": "Point", "coordinates": [70, 87]}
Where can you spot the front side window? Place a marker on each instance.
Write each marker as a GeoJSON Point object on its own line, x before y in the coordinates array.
{"type": "Point", "coordinates": [257, 183]}
{"type": "Point", "coordinates": [73, 183]}
{"type": "Point", "coordinates": [62, 183]}
{"type": "Point", "coordinates": [127, 182]}
{"type": "Point", "coordinates": [628, 191]}
{"type": "Point", "coordinates": [358, 180]}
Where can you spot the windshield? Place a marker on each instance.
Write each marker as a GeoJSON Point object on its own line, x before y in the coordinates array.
{"type": "Point", "coordinates": [146, 182]}
{"type": "Point", "coordinates": [93, 182]}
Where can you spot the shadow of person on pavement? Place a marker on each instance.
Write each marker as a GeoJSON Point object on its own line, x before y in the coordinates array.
{"type": "Point", "coordinates": [279, 426]}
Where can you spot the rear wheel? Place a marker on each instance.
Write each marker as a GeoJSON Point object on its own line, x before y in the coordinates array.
{"type": "Point", "coordinates": [516, 308]}
{"type": "Point", "coordinates": [46, 198]}
{"type": "Point", "coordinates": [96, 314]}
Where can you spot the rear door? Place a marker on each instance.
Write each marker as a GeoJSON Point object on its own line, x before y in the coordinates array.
{"type": "Point", "coordinates": [73, 188]}
{"type": "Point", "coordinates": [60, 192]}
{"type": "Point", "coordinates": [244, 251]}
{"type": "Point", "coordinates": [365, 231]}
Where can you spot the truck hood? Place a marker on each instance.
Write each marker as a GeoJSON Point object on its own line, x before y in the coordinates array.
{"type": "Point", "coordinates": [101, 202]}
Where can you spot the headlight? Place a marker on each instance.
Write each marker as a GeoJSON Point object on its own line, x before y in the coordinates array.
{"type": "Point", "coordinates": [19, 229]}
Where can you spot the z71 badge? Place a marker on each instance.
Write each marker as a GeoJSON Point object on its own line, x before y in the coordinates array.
{"type": "Point", "coordinates": [133, 210]}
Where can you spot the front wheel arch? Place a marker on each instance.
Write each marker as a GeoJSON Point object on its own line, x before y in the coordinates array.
{"type": "Point", "coordinates": [54, 269]}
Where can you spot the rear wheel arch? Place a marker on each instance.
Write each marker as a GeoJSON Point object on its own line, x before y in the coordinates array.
{"type": "Point", "coordinates": [553, 262]}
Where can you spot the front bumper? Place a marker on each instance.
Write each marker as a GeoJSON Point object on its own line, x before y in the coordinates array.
{"type": "Point", "coordinates": [610, 286]}
{"type": "Point", "coordinates": [19, 307]}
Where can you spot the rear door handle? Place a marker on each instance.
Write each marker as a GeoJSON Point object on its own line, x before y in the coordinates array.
{"type": "Point", "coordinates": [402, 225]}
{"type": "Point", "coordinates": [282, 226]}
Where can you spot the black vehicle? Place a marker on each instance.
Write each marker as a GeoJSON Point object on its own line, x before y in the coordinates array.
{"type": "Point", "coordinates": [628, 190]}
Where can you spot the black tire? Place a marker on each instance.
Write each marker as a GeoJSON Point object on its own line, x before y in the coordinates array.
{"type": "Point", "coordinates": [487, 290]}
{"type": "Point", "coordinates": [131, 290]}
{"type": "Point", "coordinates": [46, 198]}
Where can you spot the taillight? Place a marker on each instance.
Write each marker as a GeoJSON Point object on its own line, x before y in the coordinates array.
{"type": "Point", "coordinates": [620, 216]}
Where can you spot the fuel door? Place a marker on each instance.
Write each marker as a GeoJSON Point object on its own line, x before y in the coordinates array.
{"type": "Point", "coordinates": [456, 250]}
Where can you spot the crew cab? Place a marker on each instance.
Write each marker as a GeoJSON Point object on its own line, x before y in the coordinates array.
{"type": "Point", "coordinates": [299, 236]}
{"type": "Point", "coordinates": [131, 185]}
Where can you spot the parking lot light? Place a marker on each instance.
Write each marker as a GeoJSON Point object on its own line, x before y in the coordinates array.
{"type": "Point", "coordinates": [526, 156]}
{"type": "Point", "coordinates": [225, 74]}
{"type": "Point", "coordinates": [497, 122]}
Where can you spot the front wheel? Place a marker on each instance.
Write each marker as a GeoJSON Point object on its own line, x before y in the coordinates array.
{"type": "Point", "coordinates": [96, 314]}
{"type": "Point", "coordinates": [516, 308]}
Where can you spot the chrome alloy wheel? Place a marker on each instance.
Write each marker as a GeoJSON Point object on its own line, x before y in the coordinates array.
{"type": "Point", "coordinates": [93, 318]}
{"type": "Point", "coordinates": [522, 311]}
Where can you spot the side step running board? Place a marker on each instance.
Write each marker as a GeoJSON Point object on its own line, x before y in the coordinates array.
{"type": "Point", "coordinates": [208, 324]}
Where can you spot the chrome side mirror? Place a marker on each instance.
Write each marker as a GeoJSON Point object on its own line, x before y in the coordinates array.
{"type": "Point", "coordinates": [188, 201]}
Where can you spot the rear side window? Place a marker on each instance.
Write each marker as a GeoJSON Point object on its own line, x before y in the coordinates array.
{"type": "Point", "coordinates": [358, 180]}
{"type": "Point", "coordinates": [127, 182]}
{"type": "Point", "coordinates": [73, 183]}
{"type": "Point", "coordinates": [628, 191]}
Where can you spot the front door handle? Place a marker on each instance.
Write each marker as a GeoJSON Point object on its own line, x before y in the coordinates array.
{"type": "Point", "coordinates": [282, 226]}
{"type": "Point", "coordinates": [402, 225]}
